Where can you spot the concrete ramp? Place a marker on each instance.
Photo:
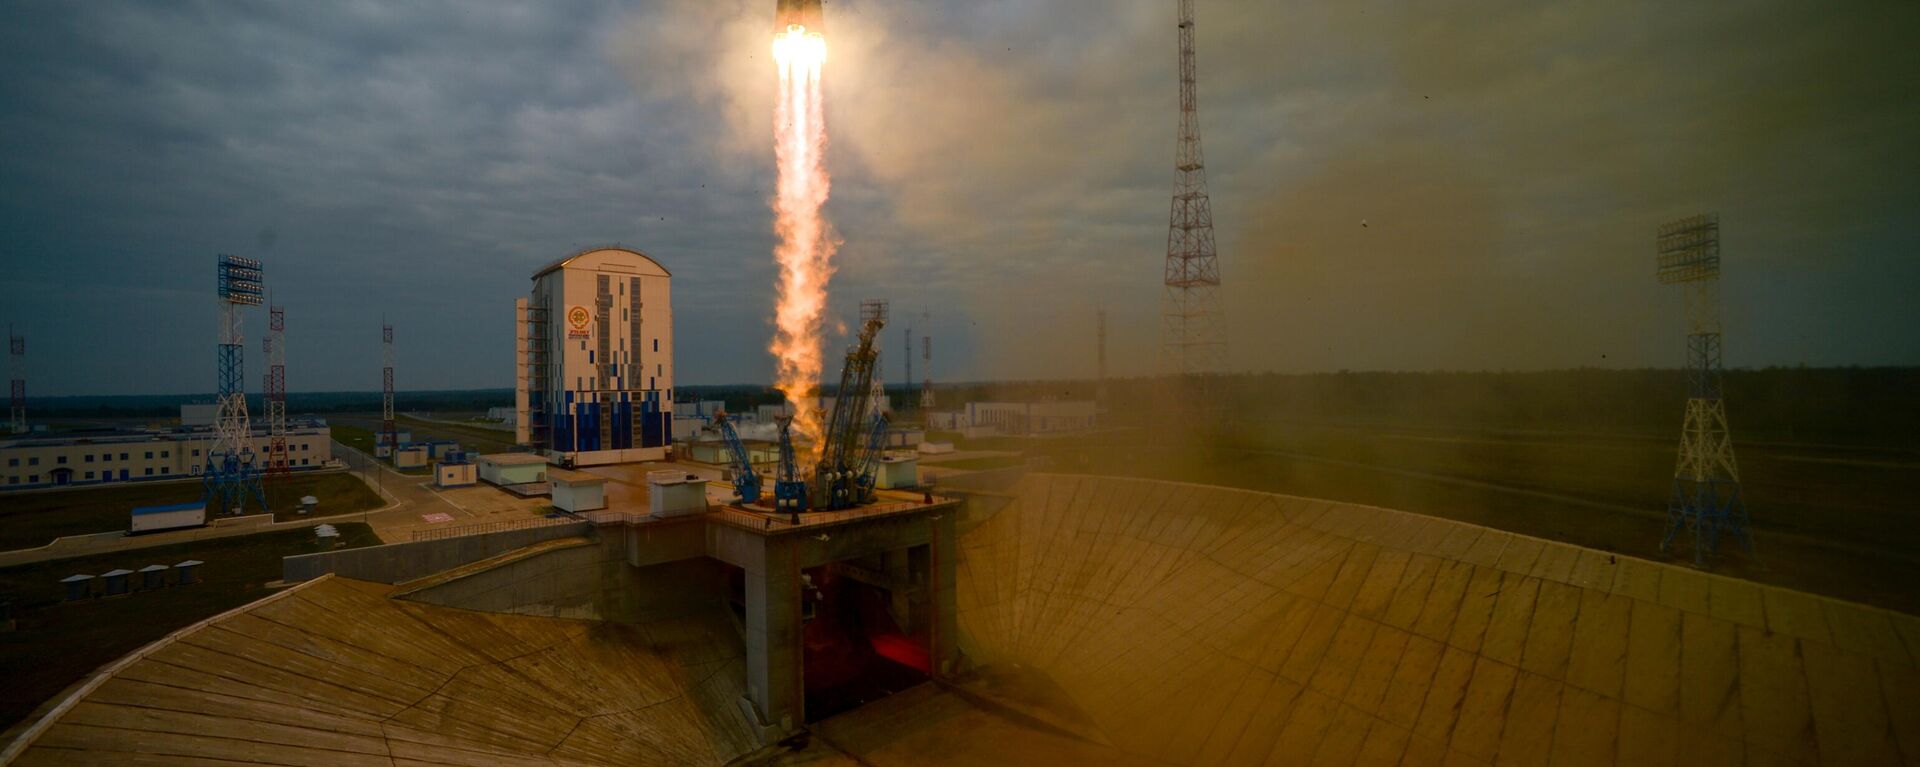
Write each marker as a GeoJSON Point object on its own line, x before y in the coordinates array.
{"type": "Point", "coordinates": [334, 672]}
{"type": "Point", "coordinates": [1201, 625]}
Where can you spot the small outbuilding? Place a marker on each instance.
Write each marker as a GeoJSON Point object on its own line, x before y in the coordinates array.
{"type": "Point", "coordinates": [674, 493]}
{"type": "Point", "coordinates": [454, 474]}
{"type": "Point", "coordinates": [893, 473]}
{"type": "Point", "coordinates": [511, 468]}
{"type": "Point", "coordinates": [577, 491]}
{"type": "Point", "coordinates": [153, 577]}
{"type": "Point", "coordinates": [149, 519]}
{"type": "Point", "coordinates": [410, 457]}
{"type": "Point", "coordinates": [116, 581]}
{"type": "Point", "coordinates": [79, 586]}
{"type": "Point", "coordinates": [189, 571]}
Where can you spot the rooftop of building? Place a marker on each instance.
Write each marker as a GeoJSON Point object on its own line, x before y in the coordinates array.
{"type": "Point", "coordinates": [570, 258]}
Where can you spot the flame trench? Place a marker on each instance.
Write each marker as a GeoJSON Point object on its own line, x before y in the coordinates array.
{"type": "Point", "coordinates": [806, 243]}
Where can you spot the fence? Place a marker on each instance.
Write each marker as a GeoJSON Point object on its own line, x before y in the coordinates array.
{"type": "Point", "coordinates": [459, 531]}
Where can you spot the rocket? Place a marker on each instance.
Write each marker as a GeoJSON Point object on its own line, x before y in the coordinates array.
{"type": "Point", "coordinates": [805, 13]}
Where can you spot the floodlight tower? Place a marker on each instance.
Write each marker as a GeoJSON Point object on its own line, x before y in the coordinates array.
{"type": "Point", "coordinates": [275, 394]}
{"type": "Point", "coordinates": [231, 473]}
{"type": "Point", "coordinates": [926, 364]}
{"type": "Point", "coordinates": [389, 436]}
{"type": "Point", "coordinates": [1706, 480]}
{"type": "Point", "coordinates": [17, 368]}
{"type": "Point", "coordinates": [870, 310]}
{"type": "Point", "coordinates": [1191, 343]}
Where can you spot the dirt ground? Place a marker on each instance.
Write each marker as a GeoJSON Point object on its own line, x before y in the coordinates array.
{"type": "Point", "coordinates": [1832, 519]}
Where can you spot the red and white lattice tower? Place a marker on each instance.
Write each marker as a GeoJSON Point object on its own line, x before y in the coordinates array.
{"type": "Point", "coordinates": [17, 371]}
{"type": "Point", "coordinates": [274, 390]}
{"type": "Point", "coordinates": [1191, 343]}
{"type": "Point", "coordinates": [389, 436]}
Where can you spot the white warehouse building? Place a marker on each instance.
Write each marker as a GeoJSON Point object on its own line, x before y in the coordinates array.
{"type": "Point", "coordinates": [594, 359]}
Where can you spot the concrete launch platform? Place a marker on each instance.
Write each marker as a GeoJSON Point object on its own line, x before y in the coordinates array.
{"type": "Point", "coordinates": [1108, 621]}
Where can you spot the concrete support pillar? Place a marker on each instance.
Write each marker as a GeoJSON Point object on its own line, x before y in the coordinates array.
{"type": "Point", "coordinates": [773, 637]}
{"type": "Point", "coordinates": [900, 600]}
{"type": "Point", "coordinates": [943, 643]}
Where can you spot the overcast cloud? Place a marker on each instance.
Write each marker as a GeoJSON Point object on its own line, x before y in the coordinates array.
{"type": "Point", "coordinates": [1396, 186]}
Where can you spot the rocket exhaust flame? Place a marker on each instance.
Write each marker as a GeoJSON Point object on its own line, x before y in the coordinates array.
{"type": "Point", "coordinates": [806, 242]}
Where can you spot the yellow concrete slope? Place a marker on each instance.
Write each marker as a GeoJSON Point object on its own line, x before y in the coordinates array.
{"type": "Point", "coordinates": [1198, 625]}
{"type": "Point", "coordinates": [336, 673]}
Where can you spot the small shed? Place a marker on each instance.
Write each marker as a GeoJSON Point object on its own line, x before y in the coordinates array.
{"type": "Point", "coordinates": [440, 448]}
{"type": "Point", "coordinates": [894, 473]}
{"type": "Point", "coordinates": [410, 457]}
{"type": "Point", "coordinates": [709, 452]}
{"type": "Point", "coordinates": [511, 468]}
{"type": "Point", "coordinates": [577, 491]}
{"type": "Point", "coordinates": [117, 582]}
{"type": "Point", "coordinates": [449, 474]}
{"type": "Point", "coordinates": [674, 493]}
{"type": "Point", "coordinates": [78, 587]}
{"type": "Point", "coordinates": [189, 571]}
{"type": "Point", "coordinates": [149, 519]}
{"type": "Point", "coordinates": [153, 577]}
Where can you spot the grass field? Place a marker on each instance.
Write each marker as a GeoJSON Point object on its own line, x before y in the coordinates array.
{"type": "Point", "coordinates": [59, 643]}
{"type": "Point", "coordinates": [35, 519]}
{"type": "Point", "coordinates": [352, 436]}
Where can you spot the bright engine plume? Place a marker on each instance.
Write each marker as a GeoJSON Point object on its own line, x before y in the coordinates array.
{"type": "Point", "coordinates": [806, 242]}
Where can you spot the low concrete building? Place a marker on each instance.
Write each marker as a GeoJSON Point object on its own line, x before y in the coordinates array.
{"type": "Point", "coordinates": [148, 519]}
{"type": "Point", "coordinates": [577, 491]}
{"type": "Point", "coordinates": [1044, 417]}
{"type": "Point", "coordinates": [511, 468]}
{"type": "Point", "coordinates": [103, 456]}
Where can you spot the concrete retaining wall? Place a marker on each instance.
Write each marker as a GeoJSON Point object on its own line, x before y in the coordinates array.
{"type": "Point", "coordinates": [401, 562]}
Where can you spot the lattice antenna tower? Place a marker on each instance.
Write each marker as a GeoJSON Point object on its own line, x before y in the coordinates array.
{"type": "Point", "coordinates": [906, 357]}
{"type": "Point", "coordinates": [926, 369]}
{"type": "Point", "coordinates": [389, 435]}
{"type": "Point", "coordinates": [231, 473]}
{"type": "Point", "coordinates": [876, 309]}
{"type": "Point", "coordinates": [17, 373]}
{"type": "Point", "coordinates": [274, 390]}
{"type": "Point", "coordinates": [1100, 357]}
{"type": "Point", "coordinates": [1191, 343]}
{"type": "Point", "coordinates": [1706, 480]}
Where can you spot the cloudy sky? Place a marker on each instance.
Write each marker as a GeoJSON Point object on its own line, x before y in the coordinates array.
{"type": "Point", "coordinates": [1003, 166]}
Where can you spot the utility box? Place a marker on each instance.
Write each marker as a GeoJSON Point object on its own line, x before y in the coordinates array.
{"type": "Point", "coordinates": [116, 581]}
{"type": "Point", "coordinates": [410, 457]}
{"type": "Point", "coordinates": [454, 474]}
{"type": "Point", "coordinates": [895, 473]}
{"type": "Point", "coordinates": [577, 491]}
{"type": "Point", "coordinates": [78, 587]}
{"type": "Point", "coordinates": [675, 494]}
{"type": "Point", "coordinates": [149, 519]}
